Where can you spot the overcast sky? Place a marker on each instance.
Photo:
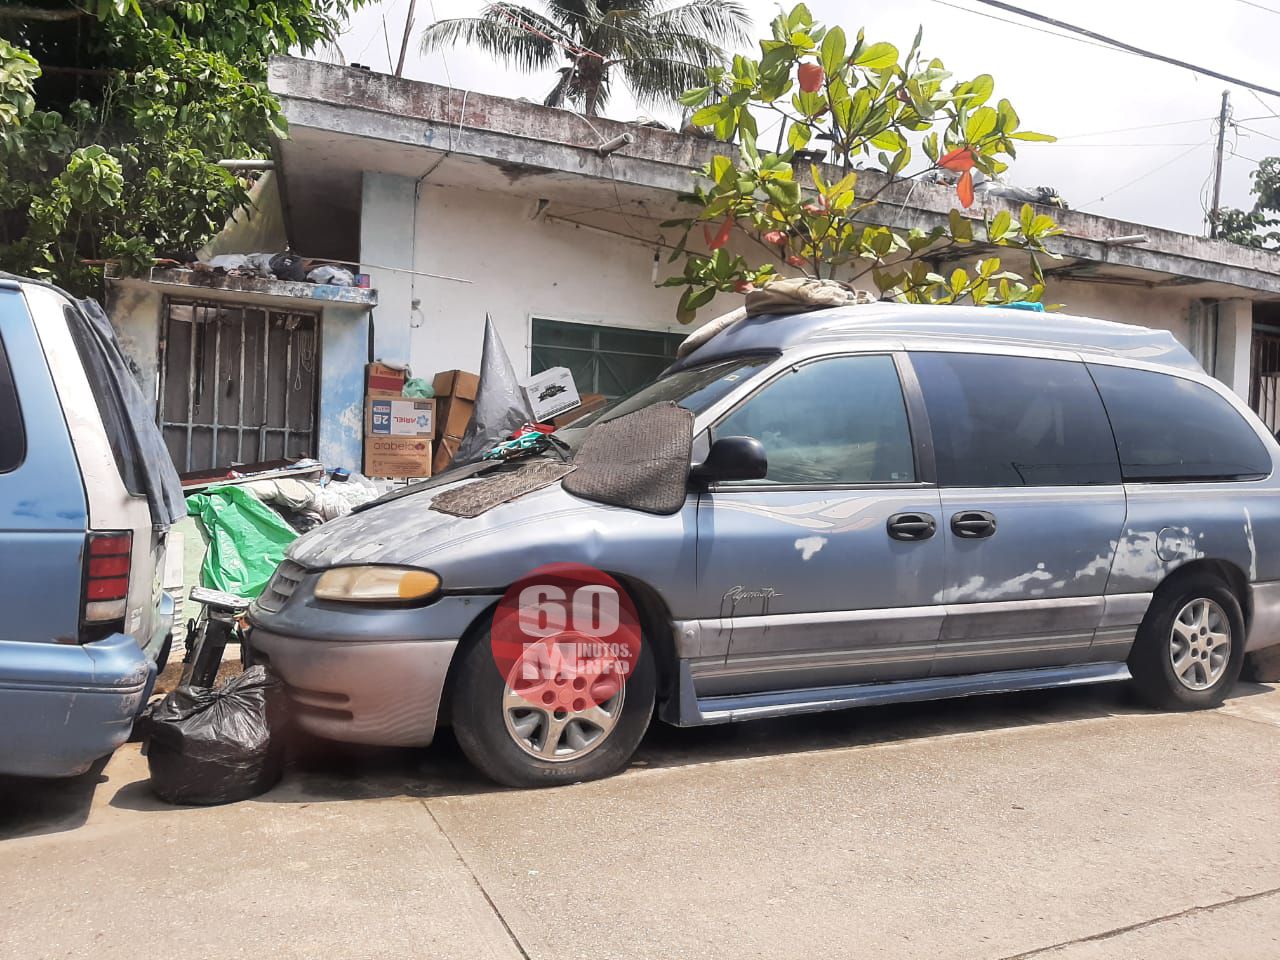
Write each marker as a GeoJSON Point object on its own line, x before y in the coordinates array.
{"type": "Point", "coordinates": [1085, 94]}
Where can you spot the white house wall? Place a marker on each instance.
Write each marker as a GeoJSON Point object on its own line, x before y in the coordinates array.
{"type": "Point", "coordinates": [519, 267]}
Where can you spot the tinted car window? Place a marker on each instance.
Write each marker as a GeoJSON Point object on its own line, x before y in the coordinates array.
{"type": "Point", "coordinates": [111, 406]}
{"type": "Point", "coordinates": [834, 421]}
{"type": "Point", "coordinates": [13, 442]}
{"type": "Point", "coordinates": [1168, 428]}
{"type": "Point", "coordinates": [1015, 421]}
{"type": "Point", "coordinates": [694, 388]}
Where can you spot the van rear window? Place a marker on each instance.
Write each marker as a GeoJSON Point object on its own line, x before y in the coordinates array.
{"type": "Point", "coordinates": [111, 407]}
{"type": "Point", "coordinates": [1170, 429]}
{"type": "Point", "coordinates": [13, 437]}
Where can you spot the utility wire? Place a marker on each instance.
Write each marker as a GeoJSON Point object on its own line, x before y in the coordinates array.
{"type": "Point", "coordinates": [1027, 26]}
{"type": "Point", "coordinates": [1120, 45]}
{"type": "Point", "coordinates": [1262, 103]}
{"type": "Point", "coordinates": [1115, 145]}
{"type": "Point", "coordinates": [1259, 6]}
{"type": "Point", "coordinates": [1267, 136]}
{"type": "Point", "coordinates": [1150, 173]}
{"type": "Point", "coordinates": [1149, 126]}
{"type": "Point", "coordinates": [435, 17]}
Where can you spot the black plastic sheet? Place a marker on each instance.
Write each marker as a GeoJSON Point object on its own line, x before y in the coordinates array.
{"type": "Point", "coordinates": [501, 406]}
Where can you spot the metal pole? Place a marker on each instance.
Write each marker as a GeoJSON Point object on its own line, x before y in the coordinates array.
{"type": "Point", "coordinates": [1215, 210]}
{"type": "Point", "coordinates": [404, 44]}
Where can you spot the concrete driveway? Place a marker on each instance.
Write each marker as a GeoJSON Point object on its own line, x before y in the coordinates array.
{"type": "Point", "coordinates": [1068, 825]}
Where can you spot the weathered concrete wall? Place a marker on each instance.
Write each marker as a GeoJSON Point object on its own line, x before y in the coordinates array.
{"type": "Point", "coordinates": [134, 310]}
{"type": "Point", "coordinates": [377, 107]}
{"type": "Point", "coordinates": [1166, 309]}
{"type": "Point", "coordinates": [520, 267]}
{"type": "Point", "coordinates": [387, 238]}
{"type": "Point", "coordinates": [523, 267]}
{"type": "Point", "coordinates": [1235, 332]}
{"type": "Point", "coordinates": [344, 349]}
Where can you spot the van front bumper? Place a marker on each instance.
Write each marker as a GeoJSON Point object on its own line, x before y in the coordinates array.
{"type": "Point", "coordinates": [386, 694]}
{"type": "Point", "coordinates": [62, 706]}
{"type": "Point", "coordinates": [362, 673]}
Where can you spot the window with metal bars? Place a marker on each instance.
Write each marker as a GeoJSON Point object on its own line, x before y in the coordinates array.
{"type": "Point", "coordinates": [609, 360]}
{"type": "Point", "coordinates": [238, 383]}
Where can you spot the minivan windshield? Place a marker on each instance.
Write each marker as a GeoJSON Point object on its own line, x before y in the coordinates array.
{"type": "Point", "coordinates": [694, 388]}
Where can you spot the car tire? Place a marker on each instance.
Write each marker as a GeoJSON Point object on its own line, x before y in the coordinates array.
{"type": "Point", "coordinates": [481, 726]}
{"type": "Point", "coordinates": [1177, 661]}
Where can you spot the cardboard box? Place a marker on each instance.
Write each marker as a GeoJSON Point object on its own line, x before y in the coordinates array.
{"type": "Point", "coordinates": [591, 402]}
{"type": "Point", "coordinates": [384, 380]}
{"type": "Point", "coordinates": [446, 450]}
{"type": "Point", "coordinates": [551, 393]}
{"type": "Point", "coordinates": [455, 417]}
{"type": "Point", "coordinates": [397, 457]}
{"type": "Point", "coordinates": [456, 383]}
{"type": "Point", "coordinates": [399, 417]}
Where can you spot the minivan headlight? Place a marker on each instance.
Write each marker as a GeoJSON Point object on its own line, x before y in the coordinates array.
{"type": "Point", "coordinates": [376, 584]}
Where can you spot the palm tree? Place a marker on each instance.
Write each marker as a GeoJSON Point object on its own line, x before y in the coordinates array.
{"type": "Point", "coordinates": [660, 50]}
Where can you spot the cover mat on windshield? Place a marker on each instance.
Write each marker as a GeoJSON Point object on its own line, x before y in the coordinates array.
{"type": "Point", "coordinates": [473, 499]}
{"type": "Point", "coordinates": [640, 460]}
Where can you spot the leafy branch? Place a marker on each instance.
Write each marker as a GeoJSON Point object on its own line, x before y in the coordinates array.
{"type": "Point", "coordinates": [868, 102]}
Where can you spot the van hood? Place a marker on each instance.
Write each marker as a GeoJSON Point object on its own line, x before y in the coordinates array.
{"type": "Point", "coordinates": [391, 532]}
{"type": "Point", "coordinates": [407, 531]}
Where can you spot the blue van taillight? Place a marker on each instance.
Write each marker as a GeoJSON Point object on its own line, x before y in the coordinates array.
{"type": "Point", "coordinates": [106, 577]}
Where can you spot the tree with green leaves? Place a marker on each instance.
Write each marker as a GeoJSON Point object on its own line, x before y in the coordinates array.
{"type": "Point", "coordinates": [1256, 227]}
{"type": "Point", "coordinates": [114, 114]}
{"type": "Point", "coordinates": [867, 102]}
{"type": "Point", "coordinates": [659, 50]}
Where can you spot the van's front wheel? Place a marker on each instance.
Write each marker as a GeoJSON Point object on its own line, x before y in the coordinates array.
{"type": "Point", "coordinates": [520, 741]}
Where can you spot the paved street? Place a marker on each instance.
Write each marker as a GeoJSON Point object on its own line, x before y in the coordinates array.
{"type": "Point", "coordinates": [1069, 825]}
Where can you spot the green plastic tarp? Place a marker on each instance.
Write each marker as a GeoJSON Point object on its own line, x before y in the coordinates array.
{"type": "Point", "coordinates": [247, 539]}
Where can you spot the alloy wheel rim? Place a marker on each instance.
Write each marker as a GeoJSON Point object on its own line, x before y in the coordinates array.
{"type": "Point", "coordinates": [558, 733]}
{"type": "Point", "coordinates": [1200, 644]}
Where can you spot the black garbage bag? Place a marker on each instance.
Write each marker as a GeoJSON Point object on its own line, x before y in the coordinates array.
{"type": "Point", "coordinates": [208, 746]}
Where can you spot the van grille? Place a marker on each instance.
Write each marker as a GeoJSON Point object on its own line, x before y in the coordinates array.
{"type": "Point", "coordinates": [281, 586]}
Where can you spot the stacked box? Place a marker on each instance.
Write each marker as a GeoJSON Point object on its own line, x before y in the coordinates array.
{"type": "Point", "coordinates": [398, 431]}
{"type": "Point", "coordinates": [455, 392]}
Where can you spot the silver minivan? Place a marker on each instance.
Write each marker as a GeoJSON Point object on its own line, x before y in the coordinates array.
{"type": "Point", "coordinates": [861, 505]}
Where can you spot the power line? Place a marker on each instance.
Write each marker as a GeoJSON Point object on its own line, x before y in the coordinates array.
{"type": "Point", "coordinates": [1121, 145]}
{"type": "Point", "coordinates": [1267, 136]}
{"type": "Point", "coordinates": [1259, 6]}
{"type": "Point", "coordinates": [1149, 126]}
{"type": "Point", "coordinates": [1241, 156]}
{"type": "Point", "coordinates": [1121, 45]}
{"type": "Point", "coordinates": [435, 17]}
{"type": "Point", "coordinates": [1027, 26]}
{"type": "Point", "coordinates": [1262, 103]}
{"type": "Point", "coordinates": [1150, 173]}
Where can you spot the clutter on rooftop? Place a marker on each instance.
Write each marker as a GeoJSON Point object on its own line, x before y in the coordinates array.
{"type": "Point", "coordinates": [284, 265]}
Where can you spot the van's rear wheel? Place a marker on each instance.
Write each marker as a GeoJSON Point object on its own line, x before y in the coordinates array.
{"type": "Point", "coordinates": [521, 742]}
{"type": "Point", "coordinates": [1190, 646]}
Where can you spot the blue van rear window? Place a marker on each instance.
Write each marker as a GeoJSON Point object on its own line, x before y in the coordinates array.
{"type": "Point", "coordinates": [13, 437]}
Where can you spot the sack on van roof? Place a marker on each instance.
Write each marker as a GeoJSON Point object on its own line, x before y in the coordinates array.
{"type": "Point", "coordinates": [785, 296]}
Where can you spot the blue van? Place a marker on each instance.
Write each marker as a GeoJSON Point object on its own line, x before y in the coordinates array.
{"type": "Point", "coordinates": [85, 505]}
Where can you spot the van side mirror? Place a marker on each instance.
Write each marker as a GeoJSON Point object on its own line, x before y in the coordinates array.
{"type": "Point", "coordinates": [732, 458]}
